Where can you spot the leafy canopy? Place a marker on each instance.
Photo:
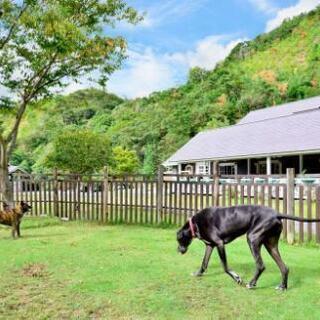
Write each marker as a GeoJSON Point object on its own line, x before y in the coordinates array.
{"type": "Point", "coordinates": [124, 161]}
{"type": "Point", "coordinates": [79, 151]}
{"type": "Point", "coordinates": [46, 41]}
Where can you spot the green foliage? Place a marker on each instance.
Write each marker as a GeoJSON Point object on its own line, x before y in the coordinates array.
{"type": "Point", "coordinates": [150, 162]}
{"type": "Point", "coordinates": [79, 151]}
{"type": "Point", "coordinates": [21, 159]}
{"type": "Point", "coordinates": [298, 86]}
{"type": "Point", "coordinates": [100, 122]}
{"type": "Point", "coordinates": [67, 42]}
{"type": "Point", "coordinates": [123, 161]}
{"type": "Point", "coordinates": [197, 75]}
{"type": "Point", "coordinates": [262, 42]}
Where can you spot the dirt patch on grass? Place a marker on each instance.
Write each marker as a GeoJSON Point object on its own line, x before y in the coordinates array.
{"type": "Point", "coordinates": [35, 270]}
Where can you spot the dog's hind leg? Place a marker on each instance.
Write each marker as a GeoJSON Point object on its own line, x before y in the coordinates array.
{"type": "Point", "coordinates": [205, 262]}
{"type": "Point", "coordinates": [255, 247]}
{"type": "Point", "coordinates": [272, 247]}
{"type": "Point", "coordinates": [223, 258]}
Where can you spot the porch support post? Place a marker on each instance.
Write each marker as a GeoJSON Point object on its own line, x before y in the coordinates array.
{"type": "Point", "coordinates": [269, 166]}
{"type": "Point", "coordinates": [215, 185]}
{"type": "Point", "coordinates": [179, 168]}
{"type": "Point", "coordinates": [300, 163]}
{"type": "Point", "coordinates": [248, 166]}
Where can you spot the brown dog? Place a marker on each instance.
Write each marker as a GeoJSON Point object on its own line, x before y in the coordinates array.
{"type": "Point", "coordinates": [13, 217]}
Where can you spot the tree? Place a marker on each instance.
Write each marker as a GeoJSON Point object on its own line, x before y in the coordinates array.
{"type": "Point", "coordinates": [197, 75]}
{"type": "Point", "coordinates": [124, 161]}
{"type": "Point", "coordinates": [47, 44]}
{"type": "Point", "coordinates": [150, 160]}
{"type": "Point", "coordinates": [79, 151]}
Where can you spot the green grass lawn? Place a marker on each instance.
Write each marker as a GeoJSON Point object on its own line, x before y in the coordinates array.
{"type": "Point", "coordinates": [76, 270]}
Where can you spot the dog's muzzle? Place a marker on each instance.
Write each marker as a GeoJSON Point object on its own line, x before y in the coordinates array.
{"type": "Point", "coordinates": [182, 249]}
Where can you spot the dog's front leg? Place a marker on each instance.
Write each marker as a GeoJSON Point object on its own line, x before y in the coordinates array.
{"type": "Point", "coordinates": [205, 262]}
{"type": "Point", "coordinates": [223, 258]}
{"type": "Point", "coordinates": [18, 229]}
{"type": "Point", "coordinates": [14, 229]}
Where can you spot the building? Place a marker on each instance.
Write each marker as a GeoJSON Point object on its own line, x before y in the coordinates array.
{"type": "Point", "coordinates": [21, 184]}
{"type": "Point", "coordinates": [266, 141]}
{"type": "Point", "coordinates": [16, 170]}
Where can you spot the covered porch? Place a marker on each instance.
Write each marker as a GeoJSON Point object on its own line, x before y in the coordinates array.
{"type": "Point", "coordinates": [272, 165]}
{"type": "Point", "coordinates": [269, 165]}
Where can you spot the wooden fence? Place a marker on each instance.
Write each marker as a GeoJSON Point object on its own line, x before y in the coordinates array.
{"type": "Point", "coordinates": [169, 199]}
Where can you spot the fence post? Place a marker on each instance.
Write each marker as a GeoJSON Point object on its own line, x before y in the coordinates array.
{"type": "Point", "coordinates": [215, 186]}
{"type": "Point", "coordinates": [55, 193]}
{"type": "Point", "coordinates": [290, 204]}
{"type": "Point", "coordinates": [78, 198]}
{"type": "Point", "coordinates": [160, 194]}
{"type": "Point", "coordinates": [105, 194]}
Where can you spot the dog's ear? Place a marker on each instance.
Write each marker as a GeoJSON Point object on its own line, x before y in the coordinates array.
{"type": "Point", "coordinates": [21, 203]}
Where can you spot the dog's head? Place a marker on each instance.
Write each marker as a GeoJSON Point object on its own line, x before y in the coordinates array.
{"type": "Point", "coordinates": [184, 238]}
{"type": "Point", "coordinates": [24, 207]}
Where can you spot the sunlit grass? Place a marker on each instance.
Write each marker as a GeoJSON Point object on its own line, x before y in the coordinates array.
{"type": "Point", "coordinates": [77, 270]}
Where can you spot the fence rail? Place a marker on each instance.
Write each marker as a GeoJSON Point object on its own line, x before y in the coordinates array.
{"type": "Point", "coordinates": [164, 198]}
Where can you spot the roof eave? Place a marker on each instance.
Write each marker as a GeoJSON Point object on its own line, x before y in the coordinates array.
{"type": "Point", "coordinates": [238, 157]}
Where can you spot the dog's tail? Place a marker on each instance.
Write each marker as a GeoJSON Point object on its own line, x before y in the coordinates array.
{"type": "Point", "coordinates": [287, 217]}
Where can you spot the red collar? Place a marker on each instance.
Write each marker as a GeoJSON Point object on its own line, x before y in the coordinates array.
{"type": "Point", "coordinates": [192, 228]}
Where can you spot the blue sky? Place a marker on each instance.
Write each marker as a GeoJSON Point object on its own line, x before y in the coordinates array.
{"type": "Point", "coordinates": [177, 35]}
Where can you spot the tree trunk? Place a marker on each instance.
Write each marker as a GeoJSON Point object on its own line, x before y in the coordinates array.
{"type": "Point", "coordinates": [6, 186]}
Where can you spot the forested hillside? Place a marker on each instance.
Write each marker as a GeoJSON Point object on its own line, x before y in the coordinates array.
{"type": "Point", "coordinates": [280, 66]}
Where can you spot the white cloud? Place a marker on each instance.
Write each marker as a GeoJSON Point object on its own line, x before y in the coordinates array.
{"type": "Point", "coordinates": [301, 7]}
{"type": "Point", "coordinates": [147, 71]}
{"type": "Point", "coordinates": [208, 52]}
{"type": "Point", "coordinates": [164, 12]}
{"type": "Point", "coordinates": [265, 6]}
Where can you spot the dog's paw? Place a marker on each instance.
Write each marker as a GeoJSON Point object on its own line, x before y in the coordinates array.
{"type": "Point", "coordinates": [239, 280]}
{"type": "Point", "coordinates": [197, 274]}
{"type": "Point", "coordinates": [250, 286]}
{"type": "Point", "coordinates": [281, 287]}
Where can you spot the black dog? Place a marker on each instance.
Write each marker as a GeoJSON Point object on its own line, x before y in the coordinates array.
{"type": "Point", "coordinates": [219, 226]}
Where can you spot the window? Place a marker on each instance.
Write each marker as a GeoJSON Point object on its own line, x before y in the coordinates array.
{"type": "Point", "coordinates": [189, 169]}
{"type": "Point", "coordinates": [227, 169]}
{"type": "Point", "coordinates": [203, 168]}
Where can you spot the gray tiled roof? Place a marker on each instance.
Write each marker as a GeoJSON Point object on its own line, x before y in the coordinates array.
{"type": "Point", "coordinates": [282, 110]}
{"type": "Point", "coordinates": [299, 132]}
